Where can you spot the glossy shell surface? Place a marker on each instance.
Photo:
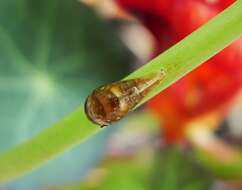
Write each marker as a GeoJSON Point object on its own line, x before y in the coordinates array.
{"type": "Point", "coordinates": [111, 102]}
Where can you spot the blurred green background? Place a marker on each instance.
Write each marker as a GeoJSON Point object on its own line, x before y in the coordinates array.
{"type": "Point", "coordinates": [52, 54]}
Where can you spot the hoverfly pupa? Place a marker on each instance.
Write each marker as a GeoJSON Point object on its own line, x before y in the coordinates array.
{"type": "Point", "coordinates": [111, 102]}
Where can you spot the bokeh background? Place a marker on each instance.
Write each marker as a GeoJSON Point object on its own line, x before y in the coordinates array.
{"type": "Point", "coordinates": [54, 52]}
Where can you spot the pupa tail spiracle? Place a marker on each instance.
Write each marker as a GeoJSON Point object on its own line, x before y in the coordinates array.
{"type": "Point", "coordinates": [111, 102]}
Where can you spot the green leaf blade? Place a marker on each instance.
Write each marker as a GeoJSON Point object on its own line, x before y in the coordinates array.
{"type": "Point", "coordinates": [177, 61]}
{"type": "Point", "coordinates": [196, 48]}
{"type": "Point", "coordinates": [46, 145]}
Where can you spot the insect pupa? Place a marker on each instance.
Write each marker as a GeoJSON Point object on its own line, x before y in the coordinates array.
{"type": "Point", "coordinates": [111, 102]}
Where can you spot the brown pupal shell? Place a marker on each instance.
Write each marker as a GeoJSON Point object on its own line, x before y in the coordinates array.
{"type": "Point", "coordinates": [111, 102]}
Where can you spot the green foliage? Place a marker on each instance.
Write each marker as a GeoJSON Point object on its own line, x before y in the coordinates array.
{"type": "Point", "coordinates": [50, 58]}
{"type": "Point", "coordinates": [169, 169]}
{"type": "Point", "coordinates": [28, 37]}
{"type": "Point", "coordinates": [196, 48]}
{"type": "Point", "coordinates": [54, 140]}
{"type": "Point", "coordinates": [231, 169]}
{"type": "Point", "coordinates": [175, 169]}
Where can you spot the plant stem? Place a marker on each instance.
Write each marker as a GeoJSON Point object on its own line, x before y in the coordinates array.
{"type": "Point", "coordinates": [177, 62]}
{"type": "Point", "coordinates": [196, 48]}
{"type": "Point", "coordinates": [48, 144]}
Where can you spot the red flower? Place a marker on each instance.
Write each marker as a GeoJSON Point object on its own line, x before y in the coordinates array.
{"type": "Point", "coordinates": [207, 88]}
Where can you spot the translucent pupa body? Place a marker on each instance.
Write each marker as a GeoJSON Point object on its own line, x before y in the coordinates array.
{"type": "Point", "coordinates": [111, 102]}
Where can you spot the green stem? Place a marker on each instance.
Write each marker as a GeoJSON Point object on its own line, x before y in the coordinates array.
{"type": "Point", "coordinates": [48, 144]}
{"type": "Point", "coordinates": [196, 48]}
{"type": "Point", "coordinates": [177, 62]}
